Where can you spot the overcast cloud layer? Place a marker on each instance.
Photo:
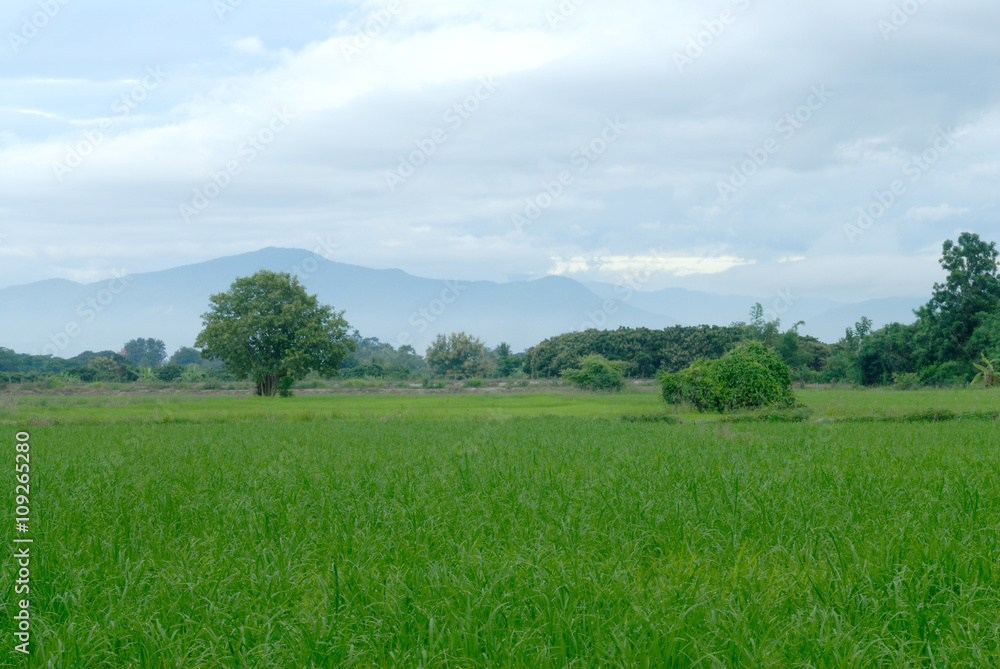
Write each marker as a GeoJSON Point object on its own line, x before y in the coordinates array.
{"type": "Point", "coordinates": [727, 145]}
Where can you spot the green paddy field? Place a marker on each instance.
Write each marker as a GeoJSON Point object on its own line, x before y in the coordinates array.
{"type": "Point", "coordinates": [544, 529]}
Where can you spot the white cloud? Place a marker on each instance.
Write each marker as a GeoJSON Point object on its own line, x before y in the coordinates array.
{"type": "Point", "coordinates": [35, 112]}
{"type": "Point", "coordinates": [355, 116]}
{"type": "Point", "coordinates": [652, 263]}
{"type": "Point", "coordinates": [571, 266]}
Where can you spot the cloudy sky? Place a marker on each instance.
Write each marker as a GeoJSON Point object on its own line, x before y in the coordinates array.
{"type": "Point", "coordinates": [733, 146]}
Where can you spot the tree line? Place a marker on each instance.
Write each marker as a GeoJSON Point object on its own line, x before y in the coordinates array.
{"type": "Point", "coordinates": [954, 339]}
{"type": "Point", "coordinates": [139, 359]}
{"type": "Point", "coordinates": [266, 328]}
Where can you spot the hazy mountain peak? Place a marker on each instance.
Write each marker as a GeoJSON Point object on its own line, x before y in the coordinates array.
{"type": "Point", "coordinates": [63, 318]}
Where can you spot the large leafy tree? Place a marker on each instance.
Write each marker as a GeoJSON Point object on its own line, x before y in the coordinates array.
{"type": "Point", "coordinates": [967, 298]}
{"type": "Point", "coordinates": [268, 329]}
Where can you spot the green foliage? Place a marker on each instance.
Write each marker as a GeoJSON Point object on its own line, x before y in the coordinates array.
{"type": "Point", "coordinates": [285, 386]}
{"type": "Point", "coordinates": [193, 374]}
{"type": "Point", "coordinates": [754, 376]}
{"type": "Point", "coordinates": [762, 330]}
{"type": "Point", "coordinates": [597, 373]}
{"type": "Point", "coordinates": [112, 368]}
{"type": "Point", "coordinates": [375, 359]}
{"type": "Point", "coordinates": [186, 355]}
{"type": "Point", "coordinates": [474, 383]}
{"type": "Point", "coordinates": [969, 296]}
{"type": "Point", "coordinates": [750, 376]}
{"type": "Point", "coordinates": [169, 372]}
{"type": "Point", "coordinates": [961, 320]}
{"type": "Point", "coordinates": [772, 414]}
{"type": "Point", "coordinates": [145, 352]}
{"type": "Point", "coordinates": [83, 374]}
{"type": "Point", "coordinates": [506, 362]}
{"type": "Point", "coordinates": [987, 372]}
{"type": "Point", "coordinates": [54, 384]}
{"type": "Point", "coordinates": [906, 381]}
{"type": "Point", "coordinates": [884, 354]}
{"type": "Point", "coordinates": [267, 328]}
{"type": "Point", "coordinates": [928, 416]}
{"type": "Point", "coordinates": [985, 338]}
{"type": "Point", "coordinates": [646, 351]}
{"type": "Point", "coordinates": [698, 385]}
{"type": "Point", "coordinates": [457, 356]}
{"type": "Point", "coordinates": [651, 417]}
{"type": "Point", "coordinates": [25, 366]}
{"type": "Point", "coordinates": [843, 364]}
{"type": "Point", "coordinates": [945, 374]}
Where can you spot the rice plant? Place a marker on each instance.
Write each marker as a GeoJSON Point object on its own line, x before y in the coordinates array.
{"type": "Point", "coordinates": [505, 541]}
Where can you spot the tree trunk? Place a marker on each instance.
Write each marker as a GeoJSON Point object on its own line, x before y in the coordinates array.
{"type": "Point", "coordinates": [267, 386]}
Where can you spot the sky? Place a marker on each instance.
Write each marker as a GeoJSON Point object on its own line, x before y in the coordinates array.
{"type": "Point", "coordinates": [747, 147]}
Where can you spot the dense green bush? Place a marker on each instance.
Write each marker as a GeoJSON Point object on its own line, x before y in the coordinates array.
{"type": "Point", "coordinates": [946, 374]}
{"type": "Point", "coordinates": [285, 384]}
{"type": "Point", "coordinates": [169, 372]}
{"type": "Point", "coordinates": [84, 374]}
{"type": "Point", "coordinates": [747, 377]}
{"type": "Point", "coordinates": [906, 381]}
{"type": "Point", "coordinates": [597, 373]}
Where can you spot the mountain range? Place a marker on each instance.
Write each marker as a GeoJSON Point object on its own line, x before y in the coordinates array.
{"type": "Point", "coordinates": [63, 318]}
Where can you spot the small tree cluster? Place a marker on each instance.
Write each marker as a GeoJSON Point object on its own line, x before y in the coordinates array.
{"type": "Point", "coordinates": [114, 368]}
{"type": "Point", "coordinates": [458, 356]}
{"type": "Point", "coordinates": [747, 377]}
{"type": "Point", "coordinates": [145, 352]}
{"type": "Point", "coordinates": [376, 359]}
{"type": "Point", "coordinates": [597, 373]}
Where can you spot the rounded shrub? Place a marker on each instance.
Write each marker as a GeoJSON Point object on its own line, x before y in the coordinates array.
{"type": "Point", "coordinates": [753, 376]}
{"type": "Point", "coordinates": [748, 377]}
{"type": "Point", "coordinates": [597, 373]}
